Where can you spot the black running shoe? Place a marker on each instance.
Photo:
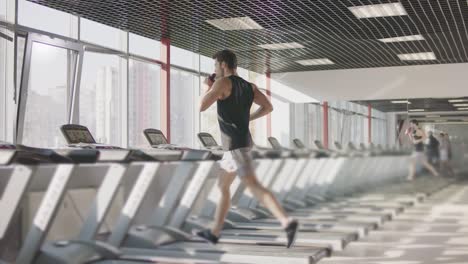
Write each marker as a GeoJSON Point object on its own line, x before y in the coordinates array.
{"type": "Point", "coordinates": [291, 232]}
{"type": "Point", "coordinates": [207, 236]}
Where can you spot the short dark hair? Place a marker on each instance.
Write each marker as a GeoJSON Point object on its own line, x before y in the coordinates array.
{"type": "Point", "coordinates": [227, 57]}
{"type": "Point", "coordinates": [414, 121]}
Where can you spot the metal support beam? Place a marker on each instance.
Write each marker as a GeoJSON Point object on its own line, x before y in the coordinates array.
{"type": "Point", "coordinates": [325, 124]}
{"type": "Point", "coordinates": [369, 120]}
{"type": "Point", "coordinates": [166, 88]}
{"type": "Point", "coordinates": [268, 93]}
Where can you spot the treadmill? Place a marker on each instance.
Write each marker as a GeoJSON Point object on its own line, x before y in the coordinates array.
{"type": "Point", "coordinates": [198, 253]}
{"type": "Point", "coordinates": [393, 208]}
{"type": "Point", "coordinates": [242, 220]}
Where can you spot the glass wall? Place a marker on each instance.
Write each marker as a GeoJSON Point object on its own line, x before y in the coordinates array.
{"type": "Point", "coordinates": [47, 19]}
{"type": "Point", "coordinates": [47, 101]}
{"type": "Point", "coordinates": [209, 118]}
{"type": "Point", "coordinates": [120, 90]}
{"type": "Point", "coordinates": [3, 81]}
{"type": "Point", "coordinates": [101, 97]}
{"type": "Point", "coordinates": [143, 101]}
{"type": "Point", "coordinates": [185, 89]}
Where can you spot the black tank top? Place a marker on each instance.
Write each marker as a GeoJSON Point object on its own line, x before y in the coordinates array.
{"type": "Point", "coordinates": [234, 115]}
{"type": "Point", "coordinates": [418, 147]}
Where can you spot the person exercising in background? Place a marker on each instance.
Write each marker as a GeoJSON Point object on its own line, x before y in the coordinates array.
{"type": "Point", "coordinates": [445, 166]}
{"type": "Point", "coordinates": [234, 97]}
{"type": "Point", "coordinates": [418, 137]}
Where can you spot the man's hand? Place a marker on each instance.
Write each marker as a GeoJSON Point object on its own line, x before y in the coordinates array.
{"type": "Point", "coordinates": [260, 99]}
{"type": "Point", "coordinates": [209, 81]}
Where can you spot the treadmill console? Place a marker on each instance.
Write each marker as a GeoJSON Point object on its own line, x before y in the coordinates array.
{"type": "Point", "coordinates": [155, 137]}
{"type": "Point", "coordinates": [207, 140]}
{"type": "Point", "coordinates": [157, 140]}
{"type": "Point", "coordinates": [7, 151]}
{"type": "Point", "coordinates": [319, 144]}
{"type": "Point", "coordinates": [79, 136]}
{"type": "Point", "coordinates": [299, 143]}
{"type": "Point", "coordinates": [75, 134]}
{"type": "Point", "coordinates": [274, 143]}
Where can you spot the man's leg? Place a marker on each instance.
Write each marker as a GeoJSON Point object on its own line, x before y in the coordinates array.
{"type": "Point", "coordinates": [266, 198]}
{"type": "Point", "coordinates": [412, 169]}
{"type": "Point", "coordinates": [269, 201]}
{"type": "Point", "coordinates": [428, 166]}
{"type": "Point", "coordinates": [224, 184]}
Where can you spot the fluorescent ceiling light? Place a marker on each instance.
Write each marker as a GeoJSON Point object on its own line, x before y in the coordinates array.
{"type": "Point", "coordinates": [402, 39]}
{"type": "Point", "coordinates": [417, 56]}
{"type": "Point", "coordinates": [416, 110]}
{"type": "Point", "coordinates": [460, 105]}
{"type": "Point", "coordinates": [235, 23]}
{"type": "Point", "coordinates": [379, 10]}
{"type": "Point", "coordinates": [458, 100]}
{"type": "Point", "coordinates": [401, 102]}
{"type": "Point", "coordinates": [462, 109]}
{"type": "Point", "coordinates": [315, 62]}
{"type": "Point", "coordinates": [280, 46]}
{"type": "Point", "coordinates": [432, 116]}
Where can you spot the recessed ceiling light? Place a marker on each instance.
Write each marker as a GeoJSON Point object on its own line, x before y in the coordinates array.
{"type": "Point", "coordinates": [280, 46]}
{"type": "Point", "coordinates": [417, 56]}
{"type": "Point", "coordinates": [315, 62]}
{"type": "Point", "coordinates": [401, 102]}
{"type": "Point", "coordinates": [235, 23]}
{"type": "Point", "coordinates": [460, 105]}
{"type": "Point", "coordinates": [402, 39]}
{"type": "Point", "coordinates": [462, 109]}
{"type": "Point", "coordinates": [458, 100]}
{"type": "Point", "coordinates": [379, 10]}
{"type": "Point", "coordinates": [416, 110]}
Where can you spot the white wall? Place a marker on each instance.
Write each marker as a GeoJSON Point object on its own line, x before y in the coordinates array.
{"type": "Point", "coordinates": [449, 80]}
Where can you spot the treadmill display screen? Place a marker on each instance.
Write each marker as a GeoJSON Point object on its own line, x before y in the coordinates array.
{"type": "Point", "coordinates": [209, 141]}
{"type": "Point", "coordinates": [299, 144]}
{"type": "Point", "coordinates": [274, 143]}
{"type": "Point", "coordinates": [157, 139]}
{"type": "Point", "coordinates": [76, 136]}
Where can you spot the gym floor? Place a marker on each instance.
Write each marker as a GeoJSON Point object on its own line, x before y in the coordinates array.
{"type": "Point", "coordinates": [433, 232]}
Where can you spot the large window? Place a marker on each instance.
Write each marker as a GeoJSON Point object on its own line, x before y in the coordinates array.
{"type": "Point", "coordinates": [185, 89]}
{"type": "Point", "coordinates": [314, 121]}
{"type": "Point", "coordinates": [103, 35]}
{"type": "Point", "coordinates": [3, 83]}
{"type": "Point", "coordinates": [258, 128]}
{"type": "Point", "coordinates": [144, 101]}
{"type": "Point", "coordinates": [47, 19]}
{"type": "Point", "coordinates": [184, 58]}
{"type": "Point", "coordinates": [209, 118]}
{"type": "Point", "coordinates": [46, 104]}
{"type": "Point", "coordinates": [145, 47]}
{"type": "Point", "coordinates": [101, 96]}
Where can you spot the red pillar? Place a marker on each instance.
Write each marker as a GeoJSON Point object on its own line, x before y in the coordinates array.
{"type": "Point", "coordinates": [268, 93]}
{"type": "Point", "coordinates": [166, 87]}
{"type": "Point", "coordinates": [369, 119]}
{"type": "Point", "coordinates": [325, 124]}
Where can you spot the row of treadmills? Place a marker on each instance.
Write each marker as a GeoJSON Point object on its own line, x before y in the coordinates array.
{"type": "Point", "coordinates": [338, 196]}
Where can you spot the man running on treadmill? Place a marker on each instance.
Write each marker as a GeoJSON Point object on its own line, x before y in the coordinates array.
{"type": "Point", "coordinates": [234, 97]}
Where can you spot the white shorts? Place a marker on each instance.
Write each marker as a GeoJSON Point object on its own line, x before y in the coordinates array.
{"type": "Point", "coordinates": [418, 156]}
{"type": "Point", "coordinates": [444, 155]}
{"type": "Point", "coordinates": [238, 160]}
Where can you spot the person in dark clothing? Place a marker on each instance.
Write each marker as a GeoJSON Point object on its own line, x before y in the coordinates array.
{"type": "Point", "coordinates": [234, 97]}
{"type": "Point", "coordinates": [432, 149]}
{"type": "Point", "coordinates": [417, 136]}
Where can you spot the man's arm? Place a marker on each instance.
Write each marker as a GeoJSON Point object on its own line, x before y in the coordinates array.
{"type": "Point", "coordinates": [262, 101]}
{"type": "Point", "coordinates": [214, 93]}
